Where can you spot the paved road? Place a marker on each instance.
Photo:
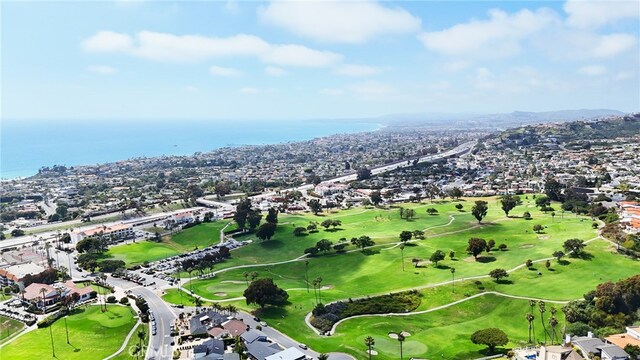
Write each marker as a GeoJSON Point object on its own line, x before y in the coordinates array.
{"type": "Point", "coordinates": [160, 344]}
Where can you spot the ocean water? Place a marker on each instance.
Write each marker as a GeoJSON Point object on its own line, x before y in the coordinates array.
{"type": "Point", "coordinates": [26, 146]}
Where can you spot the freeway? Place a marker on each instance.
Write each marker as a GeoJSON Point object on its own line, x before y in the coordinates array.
{"type": "Point", "coordinates": [458, 150]}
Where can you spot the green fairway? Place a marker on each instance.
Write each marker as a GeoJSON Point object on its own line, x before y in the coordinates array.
{"type": "Point", "coordinates": [9, 328]}
{"type": "Point", "coordinates": [379, 270]}
{"type": "Point", "coordinates": [92, 334]}
{"type": "Point", "coordinates": [199, 236]}
{"type": "Point", "coordinates": [175, 296]}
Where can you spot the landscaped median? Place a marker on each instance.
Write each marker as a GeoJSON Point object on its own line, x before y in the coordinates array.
{"type": "Point", "coordinates": [93, 334]}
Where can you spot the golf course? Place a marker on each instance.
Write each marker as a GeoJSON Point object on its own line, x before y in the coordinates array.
{"type": "Point", "coordinates": [457, 295]}
{"type": "Point", "coordinates": [93, 334]}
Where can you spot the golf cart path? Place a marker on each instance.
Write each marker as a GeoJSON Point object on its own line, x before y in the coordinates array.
{"type": "Point", "coordinates": [126, 341]}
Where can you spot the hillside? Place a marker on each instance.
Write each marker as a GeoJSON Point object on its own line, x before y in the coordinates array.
{"type": "Point", "coordinates": [568, 132]}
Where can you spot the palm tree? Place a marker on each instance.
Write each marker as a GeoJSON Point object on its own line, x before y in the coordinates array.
{"type": "Point", "coordinates": [44, 306]}
{"type": "Point", "coordinates": [530, 318]}
{"type": "Point", "coordinates": [306, 272]}
{"type": "Point", "coordinates": [246, 277]}
{"type": "Point", "coordinates": [103, 277]}
{"type": "Point", "coordinates": [369, 342]}
{"type": "Point", "coordinates": [402, 255]}
{"type": "Point", "coordinates": [400, 340]}
{"type": "Point", "coordinates": [553, 322]}
{"type": "Point", "coordinates": [542, 309]}
{"type": "Point", "coordinates": [317, 283]}
{"type": "Point", "coordinates": [453, 286]}
{"type": "Point", "coordinates": [198, 302]}
{"type": "Point", "coordinates": [141, 335]}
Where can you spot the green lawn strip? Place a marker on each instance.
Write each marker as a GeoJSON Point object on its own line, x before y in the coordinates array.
{"type": "Point", "coordinates": [98, 288]}
{"type": "Point", "coordinates": [134, 341]}
{"type": "Point", "coordinates": [199, 236]}
{"type": "Point", "coordinates": [173, 296]}
{"type": "Point", "coordinates": [92, 333]}
{"type": "Point", "coordinates": [8, 328]}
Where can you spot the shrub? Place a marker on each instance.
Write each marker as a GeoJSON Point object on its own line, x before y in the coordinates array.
{"type": "Point", "coordinates": [124, 301]}
{"type": "Point", "coordinates": [502, 247]}
{"type": "Point", "coordinates": [111, 299]}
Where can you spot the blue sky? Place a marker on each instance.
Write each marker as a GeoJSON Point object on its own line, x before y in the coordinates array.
{"type": "Point", "coordinates": [315, 59]}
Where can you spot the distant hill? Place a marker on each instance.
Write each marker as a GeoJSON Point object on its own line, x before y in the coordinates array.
{"type": "Point", "coordinates": [575, 131]}
{"type": "Point", "coordinates": [494, 121]}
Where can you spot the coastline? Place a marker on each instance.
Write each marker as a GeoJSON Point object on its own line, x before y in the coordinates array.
{"type": "Point", "coordinates": [289, 136]}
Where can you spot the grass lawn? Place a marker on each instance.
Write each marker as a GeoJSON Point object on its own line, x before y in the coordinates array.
{"type": "Point", "coordinates": [93, 335]}
{"type": "Point", "coordinates": [379, 271]}
{"type": "Point", "coordinates": [184, 241]}
{"type": "Point", "coordinates": [134, 341]}
{"type": "Point", "coordinates": [8, 328]}
{"type": "Point", "coordinates": [98, 288]}
{"type": "Point", "coordinates": [173, 296]}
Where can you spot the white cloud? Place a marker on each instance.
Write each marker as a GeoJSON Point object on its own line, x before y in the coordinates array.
{"type": "Point", "coordinates": [108, 41]}
{"type": "Point", "coordinates": [339, 21]}
{"type": "Point", "coordinates": [499, 36]}
{"type": "Point", "coordinates": [196, 48]}
{"type": "Point", "coordinates": [275, 71]}
{"type": "Point", "coordinates": [249, 90]}
{"type": "Point", "coordinates": [298, 55]}
{"type": "Point", "coordinates": [614, 44]}
{"type": "Point", "coordinates": [331, 91]}
{"type": "Point", "coordinates": [593, 14]}
{"type": "Point", "coordinates": [457, 65]}
{"type": "Point", "coordinates": [102, 69]}
{"type": "Point", "coordinates": [592, 70]}
{"type": "Point", "coordinates": [232, 6]}
{"type": "Point", "coordinates": [358, 70]}
{"type": "Point", "coordinates": [224, 71]}
{"type": "Point", "coordinates": [190, 88]}
{"type": "Point", "coordinates": [371, 88]}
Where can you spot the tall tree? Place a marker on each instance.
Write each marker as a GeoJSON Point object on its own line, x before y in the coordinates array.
{"type": "Point", "coordinates": [438, 255]}
{"type": "Point", "coordinates": [369, 342]}
{"type": "Point", "coordinates": [479, 210]}
{"type": "Point", "coordinates": [491, 337]}
{"type": "Point", "coordinates": [315, 206]}
{"type": "Point", "coordinates": [553, 189]}
{"type": "Point", "coordinates": [324, 245]}
{"type": "Point", "coordinates": [266, 231]}
{"type": "Point", "coordinates": [363, 173]}
{"type": "Point", "coordinates": [242, 211]}
{"type": "Point", "coordinates": [405, 236]}
{"type": "Point", "coordinates": [530, 317]}
{"type": "Point", "coordinates": [265, 292]}
{"type": "Point", "coordinates": [272, 216]}
{"type": "Point", "coordinates": [476, 246]}
{"type": "Point", "coordinates": [253, 219]}
{"type": "Point", "coordinates": [402, 255]}
{"type": "Point", "coordinates": [376, 197]}
{"type": "Point", "coordinates": [574, 246]}
{"type": "Point", "coordinates": [542, 309]}
{"type": "Point", "coordinates": [498, 274]}
{"type": "Point", "coordinates": [508, 202]}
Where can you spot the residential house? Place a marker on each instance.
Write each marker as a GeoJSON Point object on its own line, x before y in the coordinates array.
{"type": "Point", "coordinates": [209, 347]}
{"type": "Point", "coordinates": [287, 354]}
{"type": "Point", "coordinates": [254, 335]}
{"type": "Point", "coordinates": [259, 350]}
{"type": "Point", "coordinates": [200, 324]}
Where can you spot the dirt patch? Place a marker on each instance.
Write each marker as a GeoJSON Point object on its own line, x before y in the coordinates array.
{"type": "Point", "coordinates": [469, 259]}
{"type": "Point", "coordinates": [234, 281]}
{"type": "Point", "coordinates": [327, 287]}
{"type": "Point", "coordinates": [220, 294]}
{"type": "Point", "coordinates": [393, 336]}
{"type": "Point", "coordinates": [405, 333]}
{"type": "Point", "coordinates": [526, 246]}
{"type": "Point", "coordinates": [543, 237]}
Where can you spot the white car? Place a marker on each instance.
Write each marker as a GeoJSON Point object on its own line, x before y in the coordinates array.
{"type": "Point", "coordinates": [263, 324]}
{"type": "Point", "coordinates": [303, 346]}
